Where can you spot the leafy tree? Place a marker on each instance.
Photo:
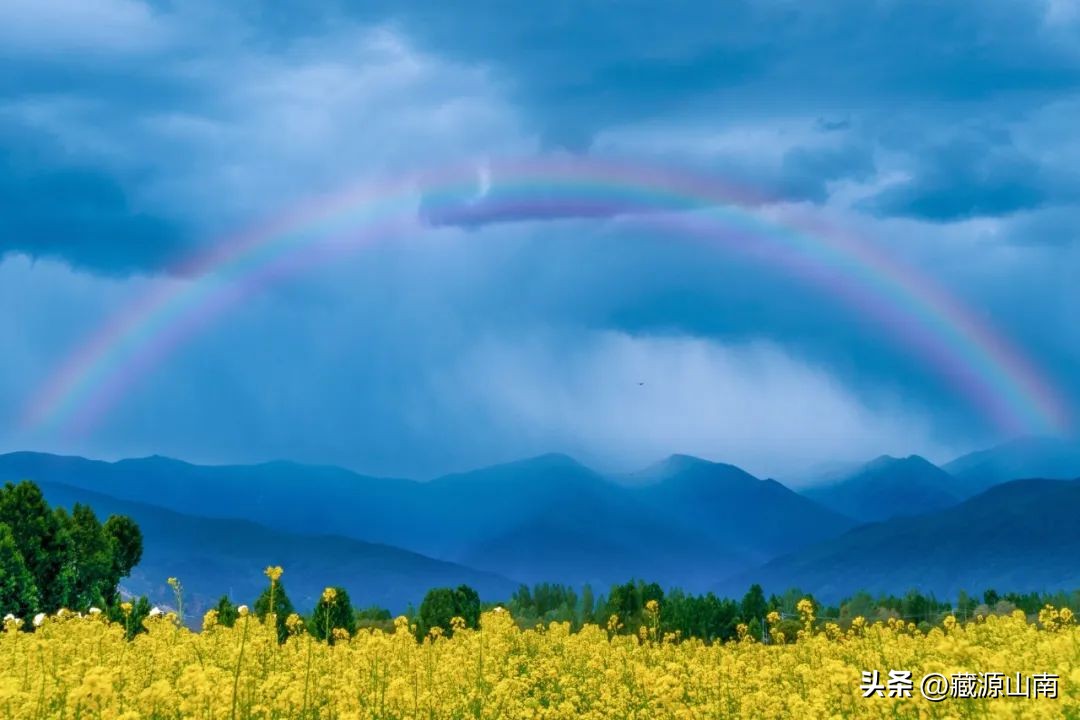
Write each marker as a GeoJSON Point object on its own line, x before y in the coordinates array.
{"type": "Point", "coordinates": [588, 605]}
{"type": "Point", "coordinates": [18, 593]}
{"type": "Point", "coordinates": [375, 613]}
{"type": "Point", "coordinates": [73, 560]}
{"type": "Point", "coordinates": [126, 541]}
{"type": "Point", "coordinates": [41, 539]}
{"type": "Point", "coordinates": [441, 605]}
{"type": "Point", "coordinates": [436, 611]}
{"type": "Point", "coordinates": [374, 617]}
{"type": "Point", "coordinates": [704, 616]}
{"type": "Point", "coordinates": [130, 615]}
{"type": "Point", "coordinates": [227, 612]}
{"type": "Point", "coordinates": [861, 604]}
{"type": "Point", "coordinates": [91, 559]}
{"type": "Point", "coordinates": [467, 602]}
{"type": "Point", "coordinates": [333, 611]}
{"type": "Point", "coordinates": [282, 608]}
{"type": "Point", "coordinates": [753, 609]}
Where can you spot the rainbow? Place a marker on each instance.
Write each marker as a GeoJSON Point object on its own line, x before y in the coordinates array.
{"type": "Point", "coordinates": [965, 352]}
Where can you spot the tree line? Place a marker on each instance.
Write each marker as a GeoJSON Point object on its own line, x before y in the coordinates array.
{"type": "Point", "coordinates": [625, 609]}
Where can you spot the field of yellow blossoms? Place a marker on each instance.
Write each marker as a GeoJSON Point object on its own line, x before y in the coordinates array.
{"type": "Point", "coordinates": [72, 666]}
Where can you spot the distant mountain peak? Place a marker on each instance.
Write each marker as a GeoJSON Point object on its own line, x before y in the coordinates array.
{"type": "Point", "coordinates": [673, 466]}
{"type": "Point", "coordinates": [159, 460]}
{"type": "Point", "coordinates": [888, 486]}
{"type": "Point", "coordinates": [889, 462]}
{"type": "Point", "coordinates": [679, 462]}
{"type": "Point", "coordinates": [554, 458]}
{"type": "Point", "coordinates": [1032, 456]}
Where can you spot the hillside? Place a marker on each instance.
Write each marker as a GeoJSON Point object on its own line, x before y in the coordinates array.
{"type": "Point", "coordinates": [1030, 457]}
{"type": "Point", "coordinates": [756, 519]}
{"type": "Point", "coordinates": [1021, 535]}
{"type": "Point", "coordinates": [544, 518]}
{"type": "Point", "coordinates": [888, 487]}
{"type": "Point", "coordinates": [215, 556]}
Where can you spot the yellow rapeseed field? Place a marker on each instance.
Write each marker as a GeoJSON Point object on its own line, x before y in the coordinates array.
{"type": "Point", "coordinates": [73, 666]}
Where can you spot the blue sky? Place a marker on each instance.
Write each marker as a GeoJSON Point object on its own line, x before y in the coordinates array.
{"type": "Point", "coordinates": [133, 134]}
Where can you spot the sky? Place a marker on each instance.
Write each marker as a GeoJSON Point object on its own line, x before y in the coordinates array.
{"type": "Point", "coordinates": [490, 322]}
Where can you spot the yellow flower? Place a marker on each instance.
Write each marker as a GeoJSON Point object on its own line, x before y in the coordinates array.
{"type": "Point", "coordinates": [273, 572]}
{"type": "Point", "coordinates": [294, 624]}
{"type": "Point", "coordinates": [547, 672]}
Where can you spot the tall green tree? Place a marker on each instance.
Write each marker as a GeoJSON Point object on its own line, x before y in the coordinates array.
{"type": "Point", "coordinates": [126, 542]}
{"type": "Point", "coordinates": [333, 611]}
{"type": "Point", "coordinates": [73, 560]}
{"type": "Point", "coordinates": [753, 608]}
{"type": "Point", "coordinates": [282, 608]}
{"type": "Point", "coordinates": [92, 559]}
{"type": "Point", "coordinates": [18, 593]}
{"type": "Point", "coordinates": [588, 604]}
{"type": "Point", "coordinates": [41, 539]}
{"type": "Point", "coordinates": [227, 612]}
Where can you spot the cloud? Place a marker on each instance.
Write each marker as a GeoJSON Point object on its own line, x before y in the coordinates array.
{"type": "Point", "coordinates": [231, 134]}
{"type": "Point", "coordinates": [973, 174]}
{"type": "Point", "coordinates": [53, 28]}
{"type": "Point", "coordinates": [624, 399]}
{"type": "Point", "coordinates": [81, 215]}
{"type": "Point", "coordinates": [579, 73]}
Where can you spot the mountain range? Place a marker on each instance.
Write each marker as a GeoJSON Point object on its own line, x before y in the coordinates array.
{"type": "Point", "coordinates": [215, 557]}
{"type": "Point", "coordinates": [889, 487]}
{"type": "Point", "coordinates": [539, 519]}
{"type": "Point", "coordinates": [1020, 535]}
{"type": "Point", "coordinates": [685, 521]}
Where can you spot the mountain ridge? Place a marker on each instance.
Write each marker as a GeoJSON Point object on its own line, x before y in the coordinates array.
{"type": "Point", "coordinates": [1019, 535]}
{"type": "Point", "coordinates": [508, 519]}
{"type": "Point", "coordinates": [210, 555]}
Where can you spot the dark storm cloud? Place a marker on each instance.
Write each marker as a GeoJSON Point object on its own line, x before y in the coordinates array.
{"type": "Point", "coordinates": [81, 215]}
{"type": "Point", "coordinates": [970, 176]}
{"type": "Point", "coordinates": [582, 66]}
{"type": "Point", "coordinates": [573, 69]}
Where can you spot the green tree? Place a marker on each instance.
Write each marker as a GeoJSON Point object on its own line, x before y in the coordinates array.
{"type": "Point", "coordinates": [92, 559]}
{"type": "Point", "coordinates": [753, 609]}
{"type": "Point", "coordinates": [227, 612]}
{"type": "Point", "coordinates": [861, 604]}
{"type": "Point", "coordinates": [41, 539]}
{"type": "Point", "coordinates": [333, 611]}
{"type": "Point", "coordinates": [436, 611]}
{"type": "Point", "coordinates": [282, 608]}
{"type": "Point", "coordinates": [18, 593]}
{"type": "Point", "coordinates": [625, 601]}
{"type": "Point", "coordinates": [374, 617]}
{"type": "Point", "coordinates": [467, 602]}
{"type": "Point", "coordinates": [131, 618]}
{"type": "Point", "coordinates": [588, 605]}
{"type": "Point", "coordinates": [74, 560]}
{"type": "Point", "coordinates": [126, 544]}
{"type": "Point", "coordinates": [441, 605]}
